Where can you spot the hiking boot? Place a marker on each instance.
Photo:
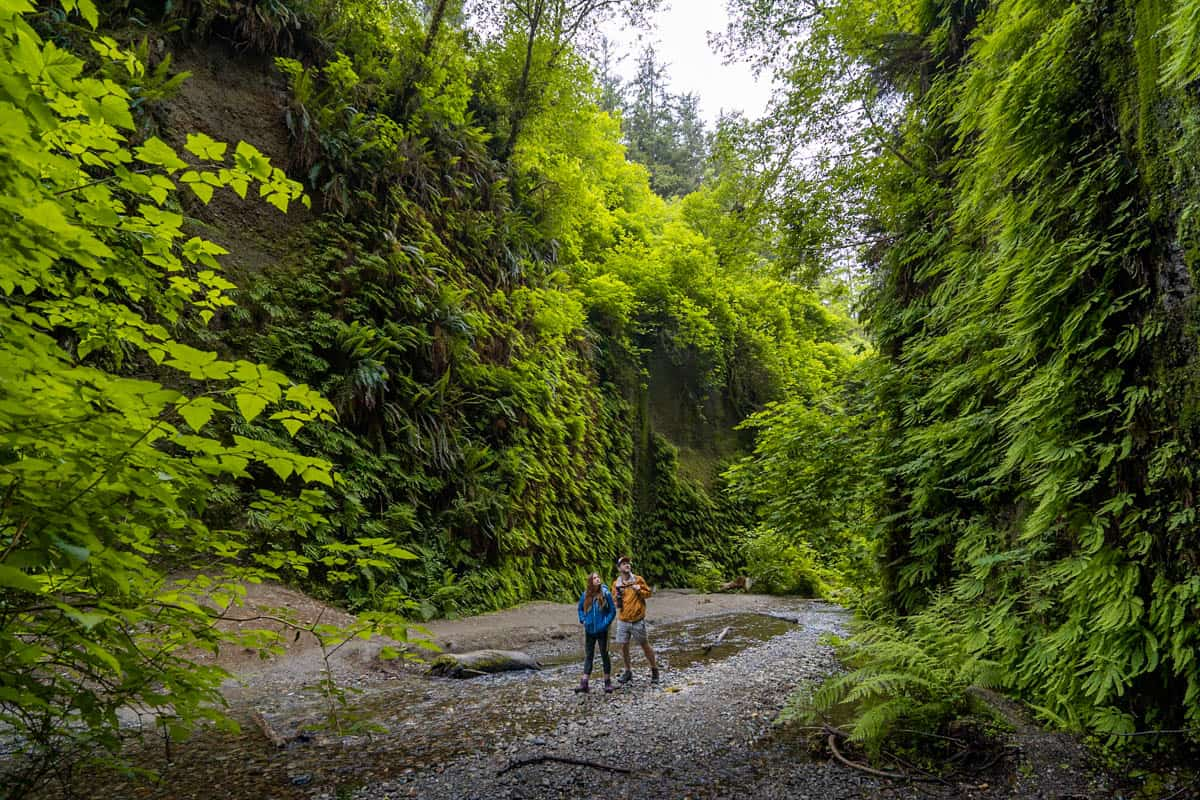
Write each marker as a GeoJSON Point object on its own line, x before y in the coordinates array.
{"type": "Point", "coordinates": [654, 676]}
{"type": "Point", "coordinates": [608, 687]}
{"type": "Point", "coordinates": [582, 688]}
{"type": "Point", "coordinates": [625, 678]}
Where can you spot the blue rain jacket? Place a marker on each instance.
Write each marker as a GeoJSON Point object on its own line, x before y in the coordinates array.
{"type": "Point", "coordinates": [600, 615]}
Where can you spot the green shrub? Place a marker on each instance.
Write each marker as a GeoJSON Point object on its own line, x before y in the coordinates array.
{"type": "Point", "coordinates": [704, 575]}
{"type": "Point", "coordinates": [780, 566]}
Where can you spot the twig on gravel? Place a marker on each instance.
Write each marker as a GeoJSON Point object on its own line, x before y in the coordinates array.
{"type": "Point", "coordinates": [1179, 792]}
{"type": "Point", "coordinates": [524, 762]}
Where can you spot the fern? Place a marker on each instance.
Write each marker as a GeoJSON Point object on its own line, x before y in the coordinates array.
{"type": "Point", "coordinates": [914, 673]}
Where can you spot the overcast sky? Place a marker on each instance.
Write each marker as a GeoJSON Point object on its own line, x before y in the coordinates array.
{"type": "Point", "coordinates": [681, 41]}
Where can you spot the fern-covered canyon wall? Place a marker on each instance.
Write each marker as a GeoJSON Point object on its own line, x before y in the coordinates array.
{"type": "Point", "coordinates": [535, 362]}
{"type": "Point", "coordinates": [1031, 269]}
{"type": "Point", "coordinates": [1041, 350]}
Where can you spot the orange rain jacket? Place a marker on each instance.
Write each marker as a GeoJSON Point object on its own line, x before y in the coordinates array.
{"type": "Point", "coordinates": [631, 605]}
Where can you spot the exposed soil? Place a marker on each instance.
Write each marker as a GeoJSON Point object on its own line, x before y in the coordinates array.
{"type": "Point", "coordinates": [235, 97]}
{"type": "Point", "coordinates": [709, 730]}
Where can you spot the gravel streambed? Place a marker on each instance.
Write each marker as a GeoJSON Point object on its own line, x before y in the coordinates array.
{"type": "Point", "coordinates": [707, 731]}
{"type": "Point", "coordinates": [696, 735]}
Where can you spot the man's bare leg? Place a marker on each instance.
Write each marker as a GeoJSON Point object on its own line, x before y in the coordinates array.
{"type": "Point", "coordinates": [649, 656]}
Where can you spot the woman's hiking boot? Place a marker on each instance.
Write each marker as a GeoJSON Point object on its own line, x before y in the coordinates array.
{"type": "Point", "coordinates": [582, 688]}
{"type": "Point", "coordinates": [654, 675]}
{"type": "Point", "coordinates": [625, 677]}
{"type": "Point", "coordinates": [608, 687]}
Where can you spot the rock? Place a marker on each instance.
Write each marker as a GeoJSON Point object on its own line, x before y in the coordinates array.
{"type": "Point", "coordinates": [480, 662]}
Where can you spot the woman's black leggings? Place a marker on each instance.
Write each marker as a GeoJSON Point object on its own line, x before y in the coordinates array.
{"type": "Point", "coordinates": [589, 645]}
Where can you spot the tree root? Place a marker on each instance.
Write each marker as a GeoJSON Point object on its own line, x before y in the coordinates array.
{"type": "Point", "coordinates": [579, 762]}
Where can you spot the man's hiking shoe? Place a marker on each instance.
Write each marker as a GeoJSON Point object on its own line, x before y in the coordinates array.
{"type": "Point", "coordinates": [582, 687]}
{"type": "Point", "coordinates": [654, 676]}
{"type": "Point", "coordinates": [625, 678]}
{"type": "Point", "coordinates": [608, 687]}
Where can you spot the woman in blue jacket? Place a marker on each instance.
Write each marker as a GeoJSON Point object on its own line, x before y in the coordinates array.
{"type": "Point", "coordinates": [596, 613]}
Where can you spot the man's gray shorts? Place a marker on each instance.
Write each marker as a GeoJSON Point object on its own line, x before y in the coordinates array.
{"type": "Point", "coordinates": [631, 630]}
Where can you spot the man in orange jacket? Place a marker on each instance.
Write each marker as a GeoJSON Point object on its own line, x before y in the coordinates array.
{"type": "Point", "coordinates": [630, 593]}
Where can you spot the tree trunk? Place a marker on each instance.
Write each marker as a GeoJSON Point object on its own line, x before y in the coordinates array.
{"type": "Point", "coordinates": [520, 103]}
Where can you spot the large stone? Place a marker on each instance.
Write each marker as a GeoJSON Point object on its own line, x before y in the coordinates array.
{"type": "Point", "coordinates": [479, 662]}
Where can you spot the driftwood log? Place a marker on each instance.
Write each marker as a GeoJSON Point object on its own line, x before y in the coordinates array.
{"type": "Point", "coordinates": [481, 662]}
{"type": "Point", "coordinates": [742, 583]}
{"type": "Point", "coordinates": [708, 648]}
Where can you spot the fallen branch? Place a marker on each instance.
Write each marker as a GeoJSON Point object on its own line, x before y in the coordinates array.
{"type": "Point", "coordinates": [272, 735]}
{"type": "Point", "coordinates": [579, 762]}
{"type": "Point", "coordinates": [1179, 792]}
{"type": "Point", "coordinates": [833, 748]}
{"type": "Point", "coordinates": [1169, 731]}
{"type": "Point", "coordinates": [717, 641]}
{"type": "Point", "coordinates": [896, 776]}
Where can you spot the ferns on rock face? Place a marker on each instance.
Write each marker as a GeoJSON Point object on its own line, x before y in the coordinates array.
{"type": "Point", "coordinates": [1038, 347]}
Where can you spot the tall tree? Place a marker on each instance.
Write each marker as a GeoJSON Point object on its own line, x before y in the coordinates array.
{"type": "Point", "coordinates": [610, 83]}
{"type": "Point", "coordinates": [543, 33]}
{"type": "Point", "coordinates": [664, 130]}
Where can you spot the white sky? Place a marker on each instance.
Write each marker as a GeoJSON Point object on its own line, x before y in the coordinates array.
{"type": "Point", "coordinates": [681, 42]}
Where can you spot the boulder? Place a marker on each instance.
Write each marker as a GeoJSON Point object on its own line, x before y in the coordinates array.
{"type": "Point", "coordinates": [481, 662]}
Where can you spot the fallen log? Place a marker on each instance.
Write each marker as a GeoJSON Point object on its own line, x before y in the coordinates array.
{"type": "Point", "coordinates": [481, 662]}
{"type": "Point", "coordinates": [579, 762]}
{"type": "Point", "coordinates": [742, 583]}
